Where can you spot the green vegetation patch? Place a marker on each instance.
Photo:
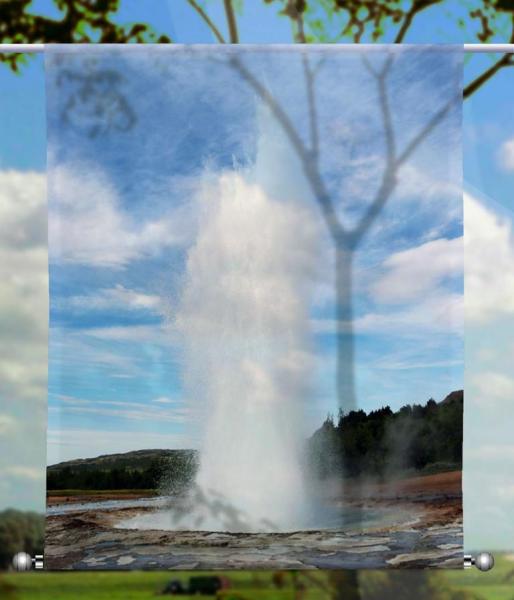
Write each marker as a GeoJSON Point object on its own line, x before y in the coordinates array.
{"type": "Point", "coordinates": [417, 439]}
{"type": "Point", "coordinates": [138, 585]}
{"type": "Point", "coordinates": [497, 584]}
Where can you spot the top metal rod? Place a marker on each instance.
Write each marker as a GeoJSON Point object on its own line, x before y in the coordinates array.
{"type": "Point", "coordinates": [36, 48]}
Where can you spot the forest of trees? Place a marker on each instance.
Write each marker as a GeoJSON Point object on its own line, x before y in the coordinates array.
{"type": "Point", "coordinates": [20, 531]}
{"type": "Point", "coordinates": [382, 443]}
{"type": "Point", "coordinates": [385, 443]}
{"type": "Point", "coordinates": [173, 469]}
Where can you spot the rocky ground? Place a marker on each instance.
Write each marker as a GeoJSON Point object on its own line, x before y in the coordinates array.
{"type": "Point", "coordinates": [427, 533]}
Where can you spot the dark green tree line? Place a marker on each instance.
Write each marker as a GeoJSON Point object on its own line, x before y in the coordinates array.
{"type": "Point", "coordinates": [20, 532]}
{"type": "Point", "coordinates": [175, 473]}
{"type": "Point", "coordinates": [382, 444]}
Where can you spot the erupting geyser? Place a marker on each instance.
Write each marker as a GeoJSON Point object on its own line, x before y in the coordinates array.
{"type": "Point", "coordinates": [243, 317]}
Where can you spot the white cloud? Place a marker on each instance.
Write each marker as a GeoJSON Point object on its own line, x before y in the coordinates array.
{"type": "Point", "coordinates": [506, 155]}
{"type": "Point", "coordinates": [114, 298]}
{"type": "Point", "coordinates": [412, 274]}
{"type": "Point", "coordinates": [414, 278]}
{"type": "Point", "coordinates": [164, 400]}
{"type": "Point", "coordinates": [7, 424]}
{"type": "Point", "coordinates": [24, 472]}
{"type": "Point", "coordinates": [136, 333]}
{"type": "Point", "coordinates": [489, 249]}
{"type": "Point", "coordinates": [506, 492]}
{"type": "Point", "coordinates": [491, 452]}
{"type": "Point", "coordinates": [415, 182]}
{"type": "Point", "coordinates": [23, 338]}
{"type": "Point", "coordinates": [395, 365]}
{"type": "Point", "coordinates": [22, 209]}
{"type": "Point", "coordinates": [23, 286]}
{"type": "Point", "coordinates": [492, 387]}
{"type": "Point", "coordinates": [440, 313]}
{"type": "Point", "coordinates": [72, 347]}
{"type": "Point", "coordinates": [88, 226]}
{"type": "Point", "coordinates": [126, 411]}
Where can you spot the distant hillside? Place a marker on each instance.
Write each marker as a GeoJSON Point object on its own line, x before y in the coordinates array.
{"type": "Point", "coordinates": [139, 469]}
{"type": "Point", "coordinates": [417, 438]}
{"type": "Point", "coordinates": [457, 397]}
{"type": "Point", "coordinates": [135, 459]}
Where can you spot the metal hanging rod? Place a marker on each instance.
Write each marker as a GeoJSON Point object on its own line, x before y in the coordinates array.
{"type": "Point", "coordinates": [37, 48]}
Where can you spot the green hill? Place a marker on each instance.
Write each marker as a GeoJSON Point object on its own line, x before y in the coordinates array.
{"type": "Point", "coordinates": [136, 470]}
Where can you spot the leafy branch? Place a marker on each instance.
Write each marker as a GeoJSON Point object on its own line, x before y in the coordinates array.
{"type": "Point", "coordinates": [82, 21]}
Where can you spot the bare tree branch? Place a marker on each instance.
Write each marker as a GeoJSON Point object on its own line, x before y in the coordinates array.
{"type": "Point", "coordinates": [309, 168]}
{"type": "Point", "coordinates": [388, 181]}
{"type": "Point", "coordinates": [386, 112]}
{"type": "Point", "coordinates": [416, 7]}
{"type": "Point", "coordinates": [311, 100]}
{"type": "Point", "coordinates": [308, 156]}
{"type": "Point", "coordinates": [300, 28]}
{"type": "Point", "coordinates": [434, 121]}
{"type": "Point", "coordinates": [393, 160]}
{"type": "Point", "coordinates": [231, 21]}
{"type": "Point", "coordinates": [471, 88]}
{"type": "Point", "coordinates": [407, 22]}
{"type": "Point", "coordinates": [210, 23]}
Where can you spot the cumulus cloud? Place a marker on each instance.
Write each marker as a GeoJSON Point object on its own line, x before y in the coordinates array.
{"type": "Point", "coordinates": [414, 279]}
{"type": "Point", "coordinates": [489, 248]}
{"type": "Point", "coordinates": [488, 497]}
{"type": "Point", "coordinates": [506, 155]}
{"type": "Point", "coordinates": [491, 387]}
{"type": "Point", "coordinates": [495, 452]}
{"type": "Point", "coordinates": [23, 338]}
{"type": "Point", "coordinates": [23, 286]}
{"type": "Point", "coordinates": [22, 209]}
{"type": "Point", "coordinates": [489, 452]}
{"type": "Point", "coordinates": [440, 313]}
{"type": "Point", "coordinates": [413, 273]}
{"type": "Point", "coordinates": [24, 472]}
{"type": "Point", "coordinates": [416, 182]}
{"type": "Point", "coordinates": [7, 424]}
{"type": "Point", "coordinates": [88, 225]}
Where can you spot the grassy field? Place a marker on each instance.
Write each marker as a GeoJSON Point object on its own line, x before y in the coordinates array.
{"type": "Point", "coordinates": [135, 585]}
{"type": "Point", "coordinates": [494, 585]}
{"type": "Point", "coordinates": [497, 584]}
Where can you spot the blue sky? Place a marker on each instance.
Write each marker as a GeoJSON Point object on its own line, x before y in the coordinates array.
{"type": "Point", "coordinates": [489, 415]}
{"type": "Point", "coordinates": [123, 213]}
{"type": "Point", "coordinates": [488, 130]}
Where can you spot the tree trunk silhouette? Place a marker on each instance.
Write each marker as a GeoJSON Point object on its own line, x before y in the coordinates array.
{"type": "Point", "coordinates": [345, 585]}
{"type": "Point", "coordinates": [345, 359]}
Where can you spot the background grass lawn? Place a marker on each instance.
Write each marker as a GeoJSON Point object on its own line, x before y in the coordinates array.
{"type": "Point", "coordinates": [497, 584]}
{"type": "Point", "coordinates": [136, 585]}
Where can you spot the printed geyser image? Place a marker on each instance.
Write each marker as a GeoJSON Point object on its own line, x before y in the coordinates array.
{"type": "Point", "coordinates": [256, 290]}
